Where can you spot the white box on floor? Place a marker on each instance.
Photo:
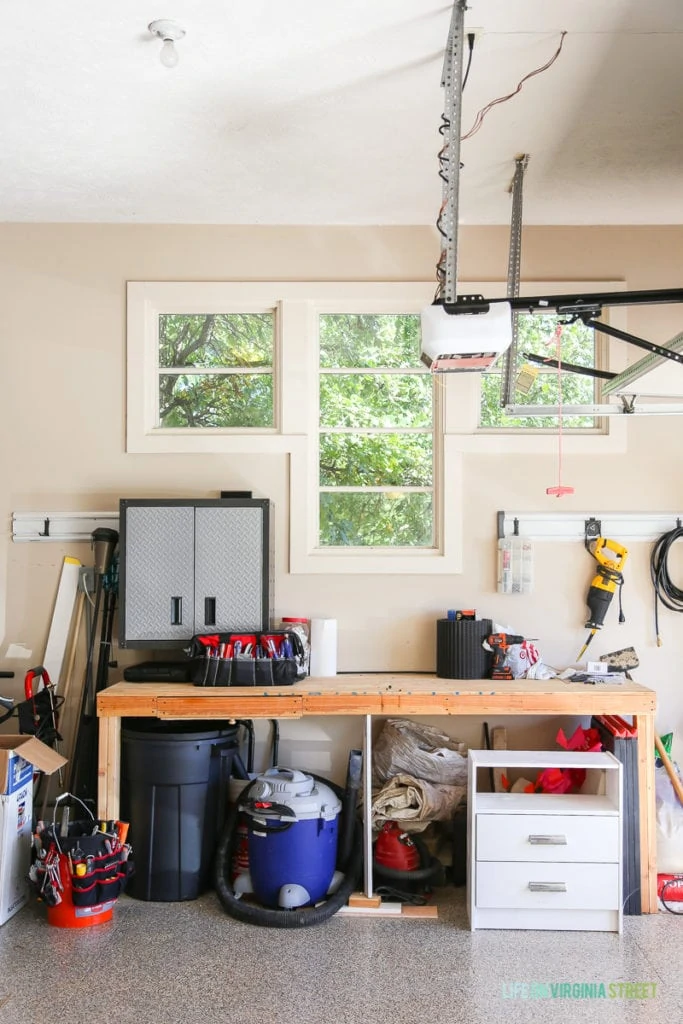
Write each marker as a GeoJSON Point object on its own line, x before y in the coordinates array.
{"type": "Point", "coordinates": [19, 756]}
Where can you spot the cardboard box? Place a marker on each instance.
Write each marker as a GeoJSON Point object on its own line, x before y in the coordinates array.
{"type": "Point", "coordinates": [20, 756]}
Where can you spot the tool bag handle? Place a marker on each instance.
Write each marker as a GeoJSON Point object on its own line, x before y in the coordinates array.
{"type": "Point", "coordinates": [78, 800]}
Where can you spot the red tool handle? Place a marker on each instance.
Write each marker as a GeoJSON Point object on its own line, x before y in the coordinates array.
{"type": "Point", "coordinates": [39, 672]}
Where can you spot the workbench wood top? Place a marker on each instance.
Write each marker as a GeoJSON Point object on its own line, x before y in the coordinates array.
{"type": "Point", "coordinates": [375, 693]}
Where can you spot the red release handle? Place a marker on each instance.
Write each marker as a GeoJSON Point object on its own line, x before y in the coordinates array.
{"type": "Point", "coordinates": [39, 672]}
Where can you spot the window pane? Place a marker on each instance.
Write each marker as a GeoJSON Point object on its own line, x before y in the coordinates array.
{"type": "Point", "coordinates": [370, 339]}
{"type": "Point", "coordinates": [386, 460]}
{"type": "Point", "coordinates": [219, 400]}
{"type": "Point", "coordinates": [537, 335]}
{"type": "Point", "coordinates": [216, 339]}
{"type": "Point", "coordinates": [576, 390]}
{"type": "Point", "coordinates": [376, 520]}
{"type": "Point", "coordinates": [380, 400]}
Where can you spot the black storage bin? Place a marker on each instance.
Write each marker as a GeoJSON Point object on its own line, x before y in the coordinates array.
{"type": "Point", "coordinates": [459, 651]}
{"type": "Point", "coordinates": [174, 783]}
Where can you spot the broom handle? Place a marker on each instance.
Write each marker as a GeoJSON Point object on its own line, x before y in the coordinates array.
{"type": "Point", "coordinates": [670, 770]}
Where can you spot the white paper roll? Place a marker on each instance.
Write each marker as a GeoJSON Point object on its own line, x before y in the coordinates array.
{"type": "Point", "coordinates": [323, 647]}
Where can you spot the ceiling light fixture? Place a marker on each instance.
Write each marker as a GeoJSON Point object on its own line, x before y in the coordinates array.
{"type": "Point", "coordinates": [170, 32]}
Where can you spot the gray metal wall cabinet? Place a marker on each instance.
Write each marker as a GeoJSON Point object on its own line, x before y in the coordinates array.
{"type": "Point", "coordinates": [192, 566]}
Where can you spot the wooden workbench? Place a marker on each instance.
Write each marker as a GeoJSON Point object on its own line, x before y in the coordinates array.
{"type": "Point", "coordinates": [385, 694]}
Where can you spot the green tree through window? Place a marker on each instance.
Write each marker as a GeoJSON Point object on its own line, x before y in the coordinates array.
{"type": "Point", "coordinates": [376, 433]}
{"type": "Point", "coordinates": [216, 370]}
{"type": "Point", "coordinates": [537, 335]}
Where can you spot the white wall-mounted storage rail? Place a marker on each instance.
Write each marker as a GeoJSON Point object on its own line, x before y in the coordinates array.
{"type": "Point", "coordinates": [626, 526]}
{"type": "Point", "coordinates": [60, 526]}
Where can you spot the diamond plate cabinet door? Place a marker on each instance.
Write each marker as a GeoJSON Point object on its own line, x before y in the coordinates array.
{"type": "Point", "coordinates": [230, 569]}
{"type": "Point", "coordinates": [157, 576]}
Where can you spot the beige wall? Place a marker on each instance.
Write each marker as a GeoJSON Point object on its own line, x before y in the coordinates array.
{"type": "Point", "coordinates": [63, 405]}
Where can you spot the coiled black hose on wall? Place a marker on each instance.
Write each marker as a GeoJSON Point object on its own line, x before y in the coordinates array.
{"type": "Point", "coordinates": [252, 914]}
{"type": "Point", "coordinates": [666, 590]}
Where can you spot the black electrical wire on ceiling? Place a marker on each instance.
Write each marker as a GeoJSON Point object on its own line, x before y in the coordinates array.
{"type": "Point", "coordinates": [666, 590]}
{"type": "Point", "coordinates": [470, 43]}
{"type": "Point", "coordinates": [478, 121]}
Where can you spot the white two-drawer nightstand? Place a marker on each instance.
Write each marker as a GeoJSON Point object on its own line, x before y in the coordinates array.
{"type": "Point", "coordinates": [545, 860]}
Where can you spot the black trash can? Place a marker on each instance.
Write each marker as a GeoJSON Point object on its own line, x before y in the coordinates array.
{"type": "Point", "coordinates": [174, 784]}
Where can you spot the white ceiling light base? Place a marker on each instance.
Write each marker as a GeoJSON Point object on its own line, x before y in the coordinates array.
{"type": "Point", "coordinates": [170, 32]}
{"type": "Point", "coordinates": [166, 29]}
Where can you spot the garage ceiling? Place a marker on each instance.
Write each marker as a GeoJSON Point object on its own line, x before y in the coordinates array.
{"type": "Point", "coordinates": [302, 112]}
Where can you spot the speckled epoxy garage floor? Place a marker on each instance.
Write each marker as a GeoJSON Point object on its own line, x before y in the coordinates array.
{"type": "Point", "coordinates": [187, 962]}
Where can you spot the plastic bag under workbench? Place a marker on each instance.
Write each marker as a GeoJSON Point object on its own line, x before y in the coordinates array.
{"type": "Point", "coordinates": [411, 748]}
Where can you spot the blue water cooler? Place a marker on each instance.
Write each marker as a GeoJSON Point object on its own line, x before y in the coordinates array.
{"type": "Point", "coordinates": [293, 824]}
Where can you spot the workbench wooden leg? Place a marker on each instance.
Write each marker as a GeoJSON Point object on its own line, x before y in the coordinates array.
{"type": "Point", "coordinates": [109, 768]}
{"type": "Point", "coordinates": [646, 803]}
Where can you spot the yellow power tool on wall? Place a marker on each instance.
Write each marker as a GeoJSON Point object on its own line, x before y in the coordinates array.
{"type": "Point", "coordinates": [610, 556]}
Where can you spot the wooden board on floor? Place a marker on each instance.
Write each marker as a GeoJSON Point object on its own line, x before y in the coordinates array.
{"type": "Point", "coordinates": [388, 909]}
{"type": "Point", "coordinates": [359, 899]}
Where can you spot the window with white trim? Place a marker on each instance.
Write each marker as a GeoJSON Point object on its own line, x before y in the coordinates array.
{"type": "Point", "coordinates": [375, 433]}
{"type": "Point", "coordinates": [215, 370]}
{"type": "Point", "coordinates": [317, 372]}
{"type": "Point", "coordinates": [328, 374]}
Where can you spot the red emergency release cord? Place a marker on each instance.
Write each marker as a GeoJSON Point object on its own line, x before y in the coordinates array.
{"type": "Point", "coordinates": [560, 490]}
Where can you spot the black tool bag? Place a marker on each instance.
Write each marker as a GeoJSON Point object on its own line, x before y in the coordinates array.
{"type": "Point", "coordinates": [98, 871]}
{"type": "Point", "coordinates": [247, 659]}
{"type": "Point", "coordinates": [87, 865]}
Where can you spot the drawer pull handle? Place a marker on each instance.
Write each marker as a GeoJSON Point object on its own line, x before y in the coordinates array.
{"type": "Point", "coordinates": [548, 840]}
{"type": "Point", "coordinates": [548, 886]}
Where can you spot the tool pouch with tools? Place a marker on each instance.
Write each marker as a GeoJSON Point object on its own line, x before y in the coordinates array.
{"type": "Point", "coordinates": [87, 867]}
{"type": "Point", "coordinates": [105, 874]}
{"type": "Point", "coordinates": [273, 658]}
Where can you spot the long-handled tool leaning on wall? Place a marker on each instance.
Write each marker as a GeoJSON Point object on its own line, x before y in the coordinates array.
{"type": "Point", "coordinates": [83, 778]}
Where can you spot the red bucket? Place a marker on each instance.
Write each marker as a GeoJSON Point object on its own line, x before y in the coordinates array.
{"type": "Point", "coordinates": [66, 915]}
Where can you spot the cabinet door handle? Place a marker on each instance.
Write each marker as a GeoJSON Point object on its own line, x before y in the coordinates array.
{"type": "Point", "coordinates": [176, 611]}
{"type": "Point", "coordinates": [548, 840]}
{"type": "Point", "coordinates": [548, 886]}
{"type": "Point", "coordinates": [209, 611]}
